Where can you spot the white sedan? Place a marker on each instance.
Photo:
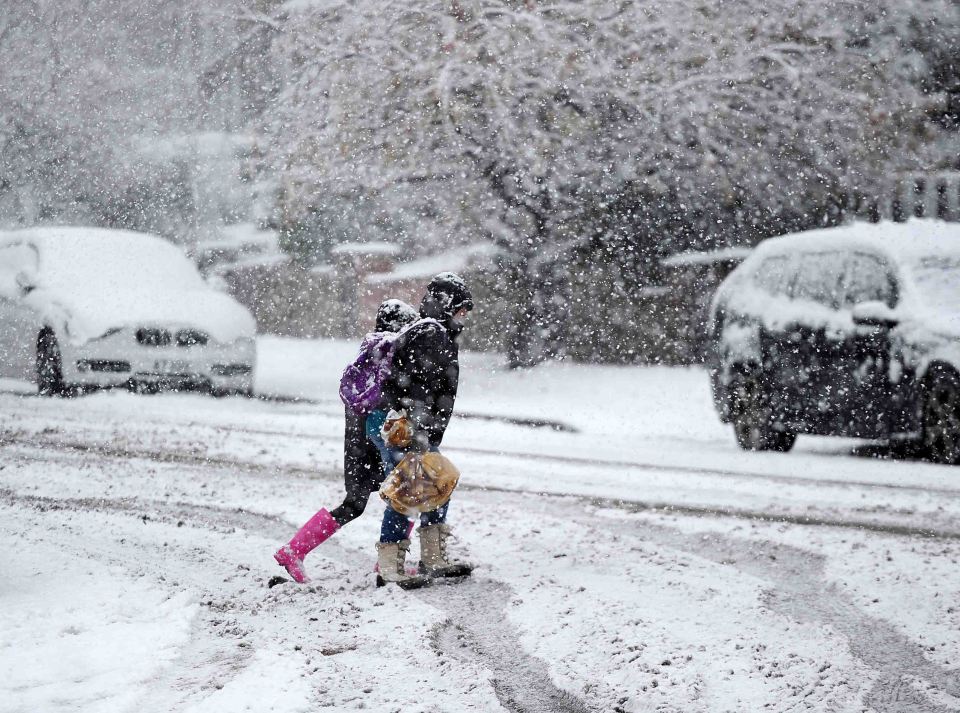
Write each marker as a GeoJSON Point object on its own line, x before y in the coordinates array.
{"type": "Point", "coordinates": [92, 307]}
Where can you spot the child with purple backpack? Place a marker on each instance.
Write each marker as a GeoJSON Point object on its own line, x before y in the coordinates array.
{"type": "Point", "coordinates": [363, 470]}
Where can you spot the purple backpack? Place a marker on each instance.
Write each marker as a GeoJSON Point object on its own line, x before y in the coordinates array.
{"type": "Point", "coordinates": [362, 382]}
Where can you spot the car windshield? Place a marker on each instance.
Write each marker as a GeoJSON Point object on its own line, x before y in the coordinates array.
{"type": "Point", "coordinates": [938, 279]}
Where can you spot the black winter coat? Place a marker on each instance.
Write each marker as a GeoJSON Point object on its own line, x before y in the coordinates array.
{"type": "Point", "coordinates": [424, 379]}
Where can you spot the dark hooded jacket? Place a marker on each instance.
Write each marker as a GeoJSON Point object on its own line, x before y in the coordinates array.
{"type": "Point", "coordinates": [426, 366]}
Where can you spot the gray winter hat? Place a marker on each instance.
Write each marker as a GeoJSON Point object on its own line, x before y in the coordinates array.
{"type": "Point", "coordinates": [393, 315]}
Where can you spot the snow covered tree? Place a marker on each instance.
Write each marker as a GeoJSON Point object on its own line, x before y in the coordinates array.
{"type": "Point", "coordinates": [521, 120]}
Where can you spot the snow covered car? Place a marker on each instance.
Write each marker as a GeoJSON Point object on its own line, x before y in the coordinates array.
{"type": "Point", "coordinates": [847, 331]}
{"type": "Point", "coordinates": [95, 307]}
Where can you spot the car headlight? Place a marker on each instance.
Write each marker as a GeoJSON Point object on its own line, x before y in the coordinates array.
{"type": "Point", "coordinates": [192, 337]}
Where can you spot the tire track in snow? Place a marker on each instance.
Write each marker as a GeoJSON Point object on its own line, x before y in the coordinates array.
{"type": "Point", "coordinates": [802, 593]}
{"type": "Point", "coordinates": [771, 517]}
{"type": "Point", "coordinates": [168, 455]}
{"type": "Point", "coordinates": [179, 514]}
{"type": "Point", "coordinates": [699, 470]}
{"type": "Point", "coordinates": [334, 408]}
{"type": "Point", "coordinates": [227, 630]}
{"type": "Point", "coordinates": [313, 437]}
{"type": "Point", "coordinates": [520, 681]}
{"type": "Point", "coordinates": [197, 459]}
{"type": "Point", "coordinates": [476, 631]}
{"type": "Point", "coordinates": [211, 656]}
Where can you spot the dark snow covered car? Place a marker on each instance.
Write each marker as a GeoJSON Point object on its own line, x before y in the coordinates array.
{"type": "Point", "coordinates": [848, 331]}
{"type": "Point", "coordinates": [94, 307]}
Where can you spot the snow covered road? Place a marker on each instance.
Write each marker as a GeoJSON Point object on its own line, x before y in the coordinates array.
{"type": "Point", "coordinates": [635, 561]}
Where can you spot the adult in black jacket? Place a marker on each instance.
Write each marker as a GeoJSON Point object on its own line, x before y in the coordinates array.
{"type": "Point", "coordinates": [426, 366]}
{"type": "Point", "coordinates": [423, 382]}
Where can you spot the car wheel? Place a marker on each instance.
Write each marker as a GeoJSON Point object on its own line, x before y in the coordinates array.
{"type": "Point", "coordinates": [49, 365]}
{"type": "Point", "coordinates": [941, 418]}
{"type": "Point", "coordinates": [753, 423]}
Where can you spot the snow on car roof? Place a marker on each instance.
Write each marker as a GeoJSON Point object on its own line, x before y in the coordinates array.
{"type": "Point", "coordinates": [904, 242]}
{"type": "Point", "coordinates": [107, 278]}
{"type": "Point", "coordinates": [929, 293]}
{"type": "Point", "coordinates": [115, 258]}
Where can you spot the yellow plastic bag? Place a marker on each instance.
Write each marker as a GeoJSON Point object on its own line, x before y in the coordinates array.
{"type": "Point", "coordinates": [421, 482]}
{"type": "Point", "coordinates": [397, 431]}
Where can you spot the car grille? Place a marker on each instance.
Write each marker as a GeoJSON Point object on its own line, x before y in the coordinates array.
{"type": "Point", "coordinates": [114, 366]}
{"type": "Point", "coordinates": [154, 337]}
{"type": "Point", "coordinates": [231, 369]}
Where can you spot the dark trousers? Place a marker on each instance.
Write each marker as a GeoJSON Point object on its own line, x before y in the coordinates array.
{"type": "Point", "coordinates": [362, 469]}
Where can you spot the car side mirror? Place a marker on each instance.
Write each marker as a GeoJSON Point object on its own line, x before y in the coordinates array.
{"type": "Point", "coordinates": [25, 284]}
{"type": "Point", "coordinates": [875, 314]}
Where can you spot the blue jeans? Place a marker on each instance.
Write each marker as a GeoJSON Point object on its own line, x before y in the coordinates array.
{"type": "Point", "coordinates": [395, 525]}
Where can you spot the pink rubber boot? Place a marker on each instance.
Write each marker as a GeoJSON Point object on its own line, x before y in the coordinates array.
{"type": "Point", "coordinates": [317, 529]}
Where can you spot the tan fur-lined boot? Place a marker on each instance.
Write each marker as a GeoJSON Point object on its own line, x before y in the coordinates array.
{"type": "Point", "coordinates": [391, 560]}
{"type": "Point", "coordinates": [434, 561]}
